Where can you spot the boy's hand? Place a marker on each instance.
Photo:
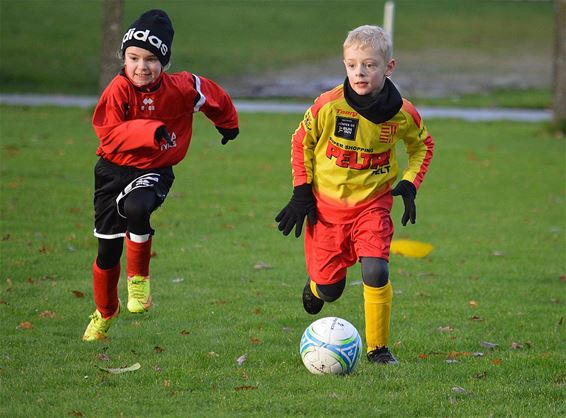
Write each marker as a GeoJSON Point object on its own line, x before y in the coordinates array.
{"type": "Point", "coordinates": [407, 190]}
{"type": "Point", "coordinates": [293, 215]}
{"type": "Point", "coordinates": [161, 134]}
{"type": "Point", "coordinates": [228, 134]}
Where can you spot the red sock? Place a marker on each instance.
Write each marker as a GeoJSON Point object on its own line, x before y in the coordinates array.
{"type": "Point", "coordinates": [138, 255]}
{"type": "Point", "coordinates": [105, 285]}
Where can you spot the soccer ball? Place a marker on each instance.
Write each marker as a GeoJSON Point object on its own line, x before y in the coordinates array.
{"type": "Point", "coordinates": [331, 346]}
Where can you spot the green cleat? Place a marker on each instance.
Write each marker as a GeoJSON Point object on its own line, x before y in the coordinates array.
{"type": "Point", "coordinates": [98, 326]}
{"type": "Point", "coordinates": [139, 295]}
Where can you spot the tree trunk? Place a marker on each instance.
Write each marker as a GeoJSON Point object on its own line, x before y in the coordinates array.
{"type": "Point", "coordinates": [112, 16]}
{"type": "Point", "coordinates": [559, 87]}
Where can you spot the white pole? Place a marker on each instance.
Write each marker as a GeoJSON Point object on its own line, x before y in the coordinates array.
{"type": "Point", "coordinates": [389, 17]}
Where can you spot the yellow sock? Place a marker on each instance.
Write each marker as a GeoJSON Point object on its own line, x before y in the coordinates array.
{"type": "Point", "coordinates": [377, 307]}
{"type": "Point", "coordinates": [313, 289]}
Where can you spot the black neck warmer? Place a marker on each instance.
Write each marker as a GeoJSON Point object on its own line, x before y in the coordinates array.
{"type": "Point", "coordinates": [376, 109]}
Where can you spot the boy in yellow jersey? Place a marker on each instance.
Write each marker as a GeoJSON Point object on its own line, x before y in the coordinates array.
{"type": "Point", "coordinates": [344, 167]}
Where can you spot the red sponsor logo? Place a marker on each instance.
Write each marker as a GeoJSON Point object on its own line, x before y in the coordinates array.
{"type": "Point", "coordinates": [357, 160]}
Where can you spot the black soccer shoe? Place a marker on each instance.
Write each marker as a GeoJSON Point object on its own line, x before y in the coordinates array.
{"type": "Point", "coordinates": [311, 303]}
{"type": "Point", "coordinates": [382, 356]}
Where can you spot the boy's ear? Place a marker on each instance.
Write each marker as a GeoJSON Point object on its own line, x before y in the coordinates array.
{"type": "Point", "coordinates": [390, 67]}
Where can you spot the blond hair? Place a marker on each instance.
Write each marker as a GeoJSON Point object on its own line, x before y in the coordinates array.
{"type": "Point", "coordinates": [373, 36]}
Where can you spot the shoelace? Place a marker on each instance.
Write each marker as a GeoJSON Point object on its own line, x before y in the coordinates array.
{"type": "Point", "coordinates": [138, 290]}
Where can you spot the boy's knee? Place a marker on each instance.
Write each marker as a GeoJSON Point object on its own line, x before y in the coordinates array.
{"type": "Point", "coordinates": [135, 209]}
{"type": "Point", "coordinates": [375, 271]}
{"type": "Point", "coordinates": [331, 292]}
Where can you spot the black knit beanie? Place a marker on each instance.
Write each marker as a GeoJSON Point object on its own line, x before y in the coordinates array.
{"type": "Point", "coordinates": [154, 32]}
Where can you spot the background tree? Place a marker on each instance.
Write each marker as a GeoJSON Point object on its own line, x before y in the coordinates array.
{"type": "Point", "coordinates": [112, 16]}
{"type": "Point", "coordinates": [559, 87]}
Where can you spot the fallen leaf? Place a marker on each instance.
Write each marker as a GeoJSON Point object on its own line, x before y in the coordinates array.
{"type": "Point", "coordinates": [397, 344]}
{"type": "Point", "coordinates": [78, 294]}
{"type": "Point", "coordinates": [119, 370]}
{"type": "Point", "coordinates": [257, 311]}
{"type": "Point", "coordinates": [103, 357]}
{"type": "Point", "coordinates": [488, 344]}
{"type": "Point", "coordinates": [238, 388]}
{"type": "Point", "coordinates": [255, 340]}
{"type": "Point", "coordinates": [212, 354]}
{"type": "Point", "coordinates": [447, 328]}
{"type": "Point", "coordinates": [519, 346]}
{"type": "Point", "coordinates": [242, 359]}
{"type": "Point", "coordinates": [9, 284]}
{"type": "Point", "coordinates": [473, 303]}
{"type": "Point", "coordinates": [563, 278]}
{"type": "Point", "coordinates": [410, 248]}
{"type": "Point", "coordinates": [76, 413]}
{"type": "Point", "coordinates": [47, 314]}
{"type": "Point", "coordinates": [260, 265]}
{"type": "Point", "coordinates": [459, 389]}
{"type": "Point", "coordinates": [423, 356]}
{"type": "Point", "coordinates": [167, 383]}
{"type": "Point", "coordinates": [475, 318]}
{"type": "Point", "coordinates": [496, 361]}
{"type": "Point", "coordinates": [25, 325]}
{"type": "Point", "coordinates": [185, 332]}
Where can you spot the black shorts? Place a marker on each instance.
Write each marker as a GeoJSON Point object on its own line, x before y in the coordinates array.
{"type": "Point", "coordinates": [112, 183]}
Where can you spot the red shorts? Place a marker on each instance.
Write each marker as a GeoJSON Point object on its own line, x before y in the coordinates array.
{"type": "Point", "coordinates": [331, 248]}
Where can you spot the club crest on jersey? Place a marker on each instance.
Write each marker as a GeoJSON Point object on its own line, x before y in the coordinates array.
{"type": "Point", "coordinates": [346, 128]}
{"type": "Point", "coordinates": [144, 36]}
{"type": "Point", "coordinates": [388, 130]}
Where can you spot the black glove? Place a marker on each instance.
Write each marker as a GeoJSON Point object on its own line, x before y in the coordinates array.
{"type": "Point", "coordinates": [228, 134]}
{"type": "Point", "coordinates": [161, 134]}
{"type": "Point", "coordinates": [301, 205]}
{"type": "Point", "coordinates": [408, 191]}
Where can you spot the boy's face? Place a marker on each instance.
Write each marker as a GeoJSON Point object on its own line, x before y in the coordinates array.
{"type": "Point", "coordinates": [142, 66]}
{"type": "Point", "coordinates": [366, 69]}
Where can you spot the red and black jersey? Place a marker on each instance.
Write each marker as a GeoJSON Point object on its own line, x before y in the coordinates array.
{"type": "Point", "coordinates": [126, 117]}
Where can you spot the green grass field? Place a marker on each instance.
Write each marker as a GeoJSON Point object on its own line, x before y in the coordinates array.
{"type": "Point", "coordinates": [492, 206]}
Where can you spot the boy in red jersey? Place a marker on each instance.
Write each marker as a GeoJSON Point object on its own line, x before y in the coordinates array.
{"type": "Point", "coordinates": [344, 166]}
{"type": "Point", "coordinates": [144, 121]}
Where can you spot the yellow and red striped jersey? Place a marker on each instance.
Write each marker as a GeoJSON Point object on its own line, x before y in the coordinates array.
{"type": "Point", "coordinates": [350, 160]}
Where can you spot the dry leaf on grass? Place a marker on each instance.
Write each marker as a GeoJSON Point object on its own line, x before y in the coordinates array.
{"type": "Point", "coordinates": [47, 314]}
{"type": "Point", "coordinates": [119, 370]}
{"type": "Point", "coordinates": [242, 359]}
{"type": "Point", "coordinates": [411, 248]}
{"type": "Point", "coordinates": [488, 344]}
{"type": "Point", "coordinates": [25, 325]}
{"type": "Point", "coordinates": [78, 294]}
{"type": "Point", "coordinates": [260, 265]}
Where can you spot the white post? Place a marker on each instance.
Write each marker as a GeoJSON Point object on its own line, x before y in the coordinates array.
{"type": "Point", "coordinates": [389, 17]}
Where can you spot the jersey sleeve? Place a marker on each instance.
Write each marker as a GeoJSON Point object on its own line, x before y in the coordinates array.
{"type": "Point", "coordinates": [215, 103]}
{"type": "Point", "coordinates": [115, 132]}
{"type": "Point", "coordinates": [419, 145]}
{"type": "Point", "coordinates": [303, 143]}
